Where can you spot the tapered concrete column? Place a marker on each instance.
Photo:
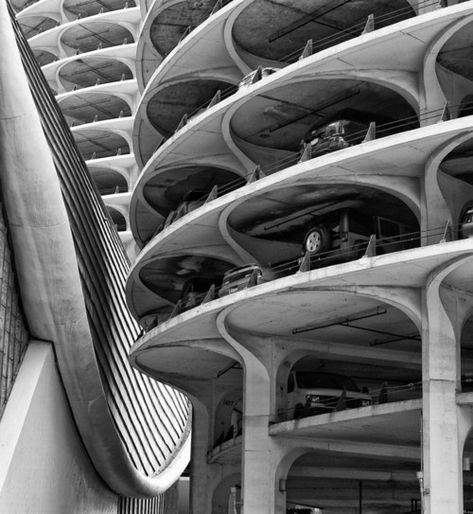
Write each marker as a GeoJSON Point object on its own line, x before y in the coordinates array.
{"type": "Point", "coordinates": [200, 479]}
{"type": "Point", "coordinates": [205, 477]}
{"type": "Point", "coordinates": [261, 453]}
{"type": "Point", "coordinates": [441, 451]}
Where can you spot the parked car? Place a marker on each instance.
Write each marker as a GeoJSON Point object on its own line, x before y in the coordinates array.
{"type": "Point", "coordinates": [345, 234]}
{"type": "Point", "coordinates": [256, 75]}
{"type": "Point", "coordinates": [466, 223]}
{"type": "Point", "coordinates": [240, 278]}
{"type": "Point", "coordinates": [334, 136]}
{"type": "Point", "coordinates": [313, 392]}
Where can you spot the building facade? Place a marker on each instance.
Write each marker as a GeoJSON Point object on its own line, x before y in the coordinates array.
{"type": "Point", "coordinates": [323, 149]}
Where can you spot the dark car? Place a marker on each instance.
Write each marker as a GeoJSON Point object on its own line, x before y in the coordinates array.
{"type": "Point", "coordinates": [344, 234]}
{"type": "Point", "coordinates": [334, 136]}
{"type": "Point", "coordinates": [240, 278]}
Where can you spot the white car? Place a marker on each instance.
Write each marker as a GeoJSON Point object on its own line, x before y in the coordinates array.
{"type": "Point", "coordinates": [314, 392]}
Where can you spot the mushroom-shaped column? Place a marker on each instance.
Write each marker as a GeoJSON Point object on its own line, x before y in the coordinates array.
{"type": "Point", "coordinates": [442, 314]}
{"type": "Point", "coordinates": [261, 454]}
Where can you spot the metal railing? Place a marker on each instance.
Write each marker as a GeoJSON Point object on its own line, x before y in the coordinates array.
{"type": "Point", "coordinates": [307, 262]}
{"type": "Point", "coordinates": [374, 131]}
{"type": "Point", "coordinates": [370, 24]}
{"type": "Point", "coordinates": [385, 394]}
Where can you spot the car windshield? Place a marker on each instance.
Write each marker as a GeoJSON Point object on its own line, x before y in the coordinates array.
{"type": "Point", "coordinates": [313, 380]}
{"type": "Point", "coordinates": [238, 273]}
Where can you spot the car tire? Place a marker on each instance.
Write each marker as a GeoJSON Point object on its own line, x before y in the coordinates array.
{"type": "Point", "coordinates": [299, 411]}
{"type": "Point", "coordinates": [317, 240]}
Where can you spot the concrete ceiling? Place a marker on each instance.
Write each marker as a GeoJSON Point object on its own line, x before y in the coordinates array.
{"type": "Point", "coordinates": [170, 103]}
{"type": "Point", "coordinates": [281, 118]}
{"type": "Point", "coordinates": [94, 107]}
{"type": "Point", "coordinates": [87, 36]}
{"type": "Point", "coordinates": [166, 190]}
{"type": "Point", "coordinates": [43, 57]}
{"type": "Point", "coordinates": [86, 72]}
{"type": "Point", "coordinates": [459, 162]}
{"type": "Point", "coordinates": [168, 276]}
{"type": "Point", "coordinates": [92, 7]}
{"type": "Point", "coordinates": [274, 29]}
{"type": "Point", "coordinates": [33, 25]}
{"type": "Point", "coordinates": [171, 23]}
{"type": "Point", "coordinates": [104, 143]}
{"type": "Point", "coordinates": [456, 55]}
{"type": "Point", "coordinates": [107, 180]}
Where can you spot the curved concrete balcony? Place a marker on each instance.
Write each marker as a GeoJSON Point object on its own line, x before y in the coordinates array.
{"type": "Point", "coordinates": [65, 37]}
{"type": "Point", "coordinates": [93, 107]}
{"type": "Point", "coordinates": [256, 33]}
{"type": "Point", "coordinates": [313, 312]}
{"type": "Point", "coordinates": [256, 223]}
{"type": "Point", "coordinates": [223, 126]}
{"type": "Point", "coordinates": [119, 202]}
{"type": "Point", "coordinates": [165, 25]}
{"type": "Point", "coordinates": [104, 139]}
{"type": "Point", "coordinates": [113, 174]}
{"type": "Point", "coordinates": [70, 10]}
{"type": "Point", "coordinates": [99, 66]}
{"type": "Point", "coordinates": [191, 61]}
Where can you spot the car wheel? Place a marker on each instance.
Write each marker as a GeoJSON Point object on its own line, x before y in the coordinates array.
{"type": "Point", "coordinates": [317, 240]}
{"type": "Point", "coordinates": [298, 411]}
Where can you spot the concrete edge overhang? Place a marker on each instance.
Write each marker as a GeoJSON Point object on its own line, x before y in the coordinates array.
{"type": "Point", "coordinates": [188, 42]}
{"type": "Point", "coordinates": [118, 125]}
{"type": "Point", "coordinates": [218, 453]}
{"type": "Point", "coordinates": [289, 428]}
{"type": "Point", "coordinates": [368, 41]}
{"type": "Point", "coordinates": [297, 428]}
{"type": "Point", "coordinates": [120, 87]}
{"type": "Point", "coordinates": [117, 53]}
{"type": "Point", "coordinates": [114, 161]}
{"type": "Point", "coordinates": [50, 285]}
{"type": "Point", "coordinates": [440, 132]}
{"type": "Point", "coordinates": [417, 262]}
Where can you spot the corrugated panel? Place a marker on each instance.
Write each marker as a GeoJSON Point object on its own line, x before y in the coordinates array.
{"type": "Point", "coordinates": [13, 332]}
{"type": "Point", "coordinates": [151, 418]}
{"type": "Point", "coordinates": [142, 506]}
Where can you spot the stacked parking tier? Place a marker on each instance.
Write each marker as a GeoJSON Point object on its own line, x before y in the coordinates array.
{"type": "Point", "coordinates": [304, 210]}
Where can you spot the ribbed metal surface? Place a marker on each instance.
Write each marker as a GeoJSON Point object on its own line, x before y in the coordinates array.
{"type": "Point", "coordinates": [151, 418]}
{"type": "Point", "coordinates": [142, 506]}
{"type": "Point", "coordinates": [13, 333]}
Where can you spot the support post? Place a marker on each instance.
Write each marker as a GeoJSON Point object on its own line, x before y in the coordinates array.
{"type": "Point", "coordinates": [441, 448]}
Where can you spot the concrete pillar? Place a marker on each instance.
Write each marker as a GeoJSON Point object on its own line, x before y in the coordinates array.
{"type": "Point", "coordinates": [261, 454]}
{"type": "Point", "coordinates": [200, 496]}
{"type": "Point", "coordinates": [205, 477]}
{"type": "Point", "coordinates": [257, 459]}
{"type": "Point", "coordinates": [441, 450]}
